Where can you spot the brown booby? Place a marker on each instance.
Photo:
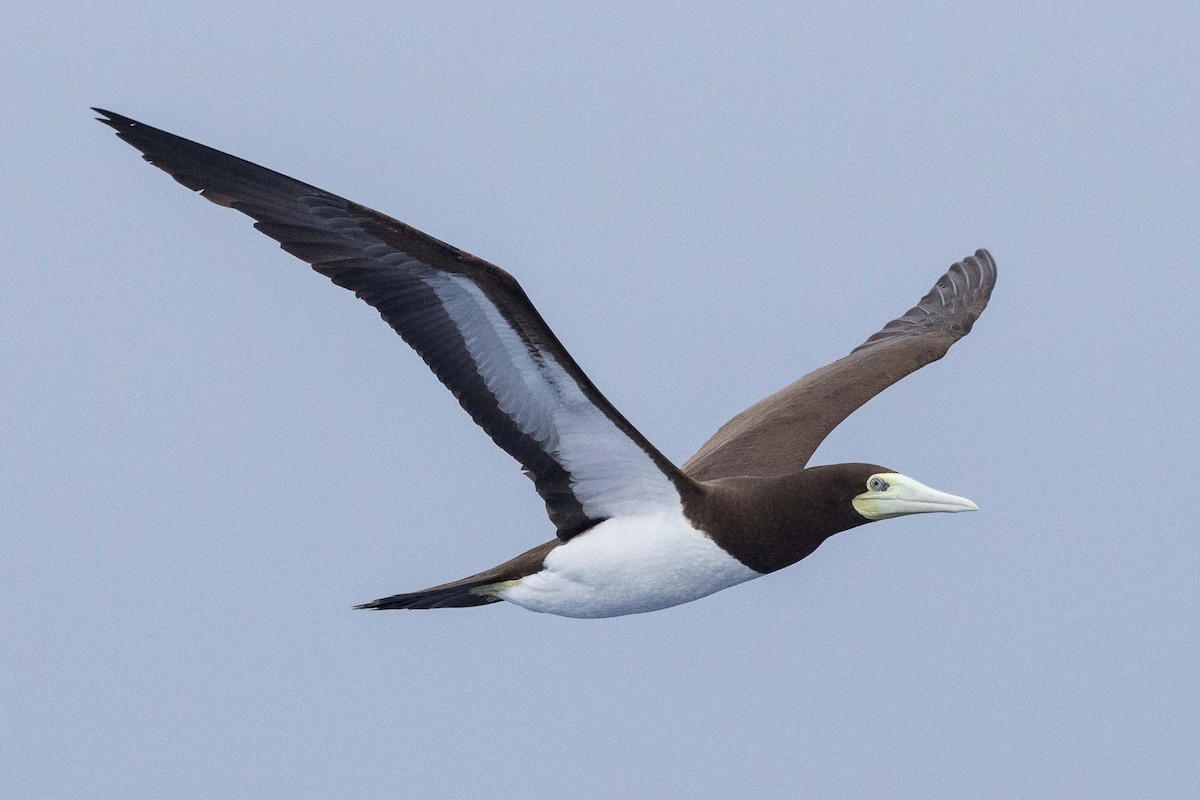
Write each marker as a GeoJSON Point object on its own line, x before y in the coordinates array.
{"type": "Point", "coordinates": [635, 532]}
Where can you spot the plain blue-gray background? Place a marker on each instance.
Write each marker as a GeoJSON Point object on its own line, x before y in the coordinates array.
{"type": "Point", "coordinates": [208, 453]}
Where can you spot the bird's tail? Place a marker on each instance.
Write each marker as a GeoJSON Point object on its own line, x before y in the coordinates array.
{"type": "Point", "coordinates": [475, 590]}
{"type": "Point", "coordinates": [458, 594]}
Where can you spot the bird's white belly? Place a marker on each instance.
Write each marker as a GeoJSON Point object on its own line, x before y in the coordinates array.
{"type": "Point", "coordinates": [629, 565]}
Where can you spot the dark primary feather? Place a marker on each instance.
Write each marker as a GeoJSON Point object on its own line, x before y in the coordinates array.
{"type": "Point", "coordinates": [778, 435]}
{"type": "Point", "coordinates": [952, 305]}
{"type": "Point", "coordinates": [418, 284]}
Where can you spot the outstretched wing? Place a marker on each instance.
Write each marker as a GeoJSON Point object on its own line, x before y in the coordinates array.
{"type": "Point", "coordinates": [778, 435]}
{"type": "Point", "coordinates": [468, 319]}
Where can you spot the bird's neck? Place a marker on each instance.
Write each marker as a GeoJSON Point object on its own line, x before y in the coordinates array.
{"type": "Point", "coordinates": [771, 523]}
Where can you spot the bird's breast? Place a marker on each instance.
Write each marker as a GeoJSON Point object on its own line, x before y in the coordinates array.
{"type": "Point", "coordinates": [629, 565]}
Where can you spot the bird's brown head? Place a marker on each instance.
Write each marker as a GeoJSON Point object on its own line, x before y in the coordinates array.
{"type": "Point", "coordinates": [770, 523]}
{"type": "Point", "coordinates": [850, 495]}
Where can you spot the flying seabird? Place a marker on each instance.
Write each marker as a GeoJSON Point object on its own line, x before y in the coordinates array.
{"type": "Point", "coordinates": [635, 533]}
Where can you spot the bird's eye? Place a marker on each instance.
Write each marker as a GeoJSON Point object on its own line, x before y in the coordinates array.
{"type": "Point", "coordinates": [877, 484]}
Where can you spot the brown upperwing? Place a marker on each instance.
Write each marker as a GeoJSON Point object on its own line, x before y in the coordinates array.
{"type": "Point", "coordinates": [778, 435]}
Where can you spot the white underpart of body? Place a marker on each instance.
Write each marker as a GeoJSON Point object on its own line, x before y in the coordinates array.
{"type": "Point", "coordinates": [629, 565]}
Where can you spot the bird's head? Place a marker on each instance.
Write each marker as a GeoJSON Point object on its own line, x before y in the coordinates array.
{"type": "Point", "coordinates": [880, 493]}
{"type": "Point", "coordinates": [841, 496]}
{"type": "Point", "coordinates": [784, 519]}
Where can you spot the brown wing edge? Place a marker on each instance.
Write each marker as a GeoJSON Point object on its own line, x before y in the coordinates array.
{"type": "Point", "coordinates": [779, 434]}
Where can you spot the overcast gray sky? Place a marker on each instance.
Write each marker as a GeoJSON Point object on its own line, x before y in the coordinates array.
{"type": "Point", "coordinates": [208, 453]}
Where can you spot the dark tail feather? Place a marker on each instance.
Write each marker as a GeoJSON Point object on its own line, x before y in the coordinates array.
{"type": "Point", "coordinates": [459, 594]}
{"type": "Point", "coordinates": [476, 590]}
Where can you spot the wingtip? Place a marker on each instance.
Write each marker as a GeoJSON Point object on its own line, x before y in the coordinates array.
{"type": "Point", "coordinates": [987, 268]}
{"type": "Point", "coordinates": [981, 282]}
{"type": "Point", "coordinates": [113, 119]}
